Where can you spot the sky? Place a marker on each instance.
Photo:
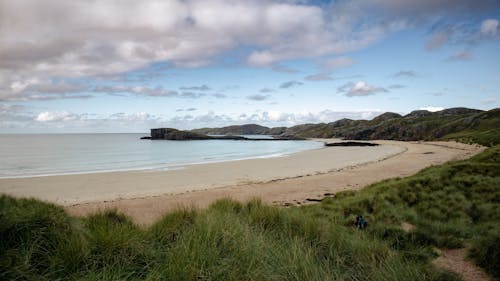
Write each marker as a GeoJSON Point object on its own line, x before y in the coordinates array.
{"type": "Point", "coordinates": [128, 66]}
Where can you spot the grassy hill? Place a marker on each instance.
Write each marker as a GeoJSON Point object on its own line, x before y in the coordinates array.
{"type": "Point", "coordinates": [462, 124]}
{"type": "Point", "coordinates": [453, 205]}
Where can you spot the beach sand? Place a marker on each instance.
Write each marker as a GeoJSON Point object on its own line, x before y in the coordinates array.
{"type": "Point", "coordinates": [288, 180]}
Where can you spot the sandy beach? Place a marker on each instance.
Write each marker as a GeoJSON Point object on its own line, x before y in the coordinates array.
{"type": "Point", "coordinates": [292, 179]}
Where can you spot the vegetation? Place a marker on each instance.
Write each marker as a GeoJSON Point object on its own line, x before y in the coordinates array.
{"type": "Point", "coordinates": [461, 124]}
{"type": "Point", "coordinates": [452, 205]}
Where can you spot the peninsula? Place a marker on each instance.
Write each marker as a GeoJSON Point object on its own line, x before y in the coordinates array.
{"type": "Point", "coordinates": [180, 135]}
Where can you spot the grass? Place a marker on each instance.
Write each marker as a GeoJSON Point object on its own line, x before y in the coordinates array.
{"type": "Point", "coordinates": [453, 205]}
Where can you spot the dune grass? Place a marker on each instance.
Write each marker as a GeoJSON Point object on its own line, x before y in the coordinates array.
{"type": "Point", "coordinates": [452, 205]}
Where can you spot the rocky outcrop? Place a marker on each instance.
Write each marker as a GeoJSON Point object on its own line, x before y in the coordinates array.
{"type": "Point", "coordinates": [351, 143]}
{"type": "Point", "coordinates": [174, 134]}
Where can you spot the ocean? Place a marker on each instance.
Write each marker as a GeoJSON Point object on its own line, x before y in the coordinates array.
{"type": "Point", "coordinates": [29, 155]}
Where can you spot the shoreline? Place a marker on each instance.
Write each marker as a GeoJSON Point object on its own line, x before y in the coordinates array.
{"type": "Point", "coordinates": [289, 180]}
{"type": "Point", "coordinates": [81, 188]}
{"type": "Point", "coordinates": [171, 166]}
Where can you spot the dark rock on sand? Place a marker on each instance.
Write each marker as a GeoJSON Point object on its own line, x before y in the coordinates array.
{"type": "Point", "coordinates": [351, 143]}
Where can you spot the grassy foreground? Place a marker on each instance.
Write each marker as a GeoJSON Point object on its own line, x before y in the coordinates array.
{"type": "Point", "coordinates": [452, 205]}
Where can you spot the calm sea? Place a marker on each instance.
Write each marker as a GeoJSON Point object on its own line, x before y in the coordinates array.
{"type": "Point", "coordinates": [56, 154]}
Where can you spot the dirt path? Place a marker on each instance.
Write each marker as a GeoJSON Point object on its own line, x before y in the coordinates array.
{"type": "Point", "coordinates": [455, 260]}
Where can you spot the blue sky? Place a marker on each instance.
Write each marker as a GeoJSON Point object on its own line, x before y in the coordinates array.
{"type": "Point", "coordinates": [118, 66]}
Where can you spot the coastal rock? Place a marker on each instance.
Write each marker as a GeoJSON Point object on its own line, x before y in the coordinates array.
{"type": "Point", "coordinates": [351, 143]}
{"type": "Point", "coordinates": [174, 134]}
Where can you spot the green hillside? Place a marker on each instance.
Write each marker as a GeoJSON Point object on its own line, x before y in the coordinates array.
{"type": "Point", "coordinates": [462, 124]}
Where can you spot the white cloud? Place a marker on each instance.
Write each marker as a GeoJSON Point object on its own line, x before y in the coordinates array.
{"type": "Point", "coordinates": [136, 90]}
{"type": "Point", "coordinates": [489, 27]}
{"type": "Point", "coordinates": [93, 39]}
{"type": "Point", "coordinates": [359, 89]}
{"type": "Point", "coordinates": [72, 39]}
{"type": "Point", "coordinates": [432, 108]}
{"type": "Point", "coordinates": [55, 116]}
{"type": "Point", "coordinates": [271, 118]}
{"type": "Point", "coordinates": [18, 119]}
{"type": "Point", "coordinates": [137, 116]}
{"type": "Point", "coordinates": [36, 88]}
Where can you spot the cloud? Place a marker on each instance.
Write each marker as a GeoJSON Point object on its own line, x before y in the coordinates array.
{"type": "Point", "coordinates": [463, 55]}
{"type": "Point", "coordinates": [14, 116]}
{"type": "Point", "coordinates": [48, 116]}
{"type": "Point", "coordinates": [267, 90]}
{"type": "Point", "coordinates": [359, 89]}
{"type": "Point", "coordinates": [319, 77]}
{"type": "Point", "coordinates": [197, 88]}
{"type": "Point", "coordinates": [113, 38]}
{"type": "Point", "coordinates": [192, 95]}
{"type": "Point", "coordinates": [271, 118]}
{"type": "Point", "coordinates": [43, 97]}
{"type": "Point", "coordinates": [467, 33]}
{"type": "Point", "coordinates": [405, 73]}
{"type": "Point", "coordinates": [340, 62]}
{"type": "Point", "coordinates": [87, 39]}
{"type": "Point", "coordinates": [437, 40]}
{"type": "Point", "coordinates": [396, 86]}
{"type": "Point", "coordinates": [10, 108]}
{"type": "Point", "coordinates": [133, 117]}
{"type": "Point", "coordinates": [432, 108]}
{"type": "Point", "coordinates": [42, 89]}
{"type": "Point", "coordinates": [258, 97]}
{"type": "Point", "coordinates": [137, 90]}
{"type": "Point", "coordinates": [290, 84]}
{"type": "Point", "coordinates": [489, 27]}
